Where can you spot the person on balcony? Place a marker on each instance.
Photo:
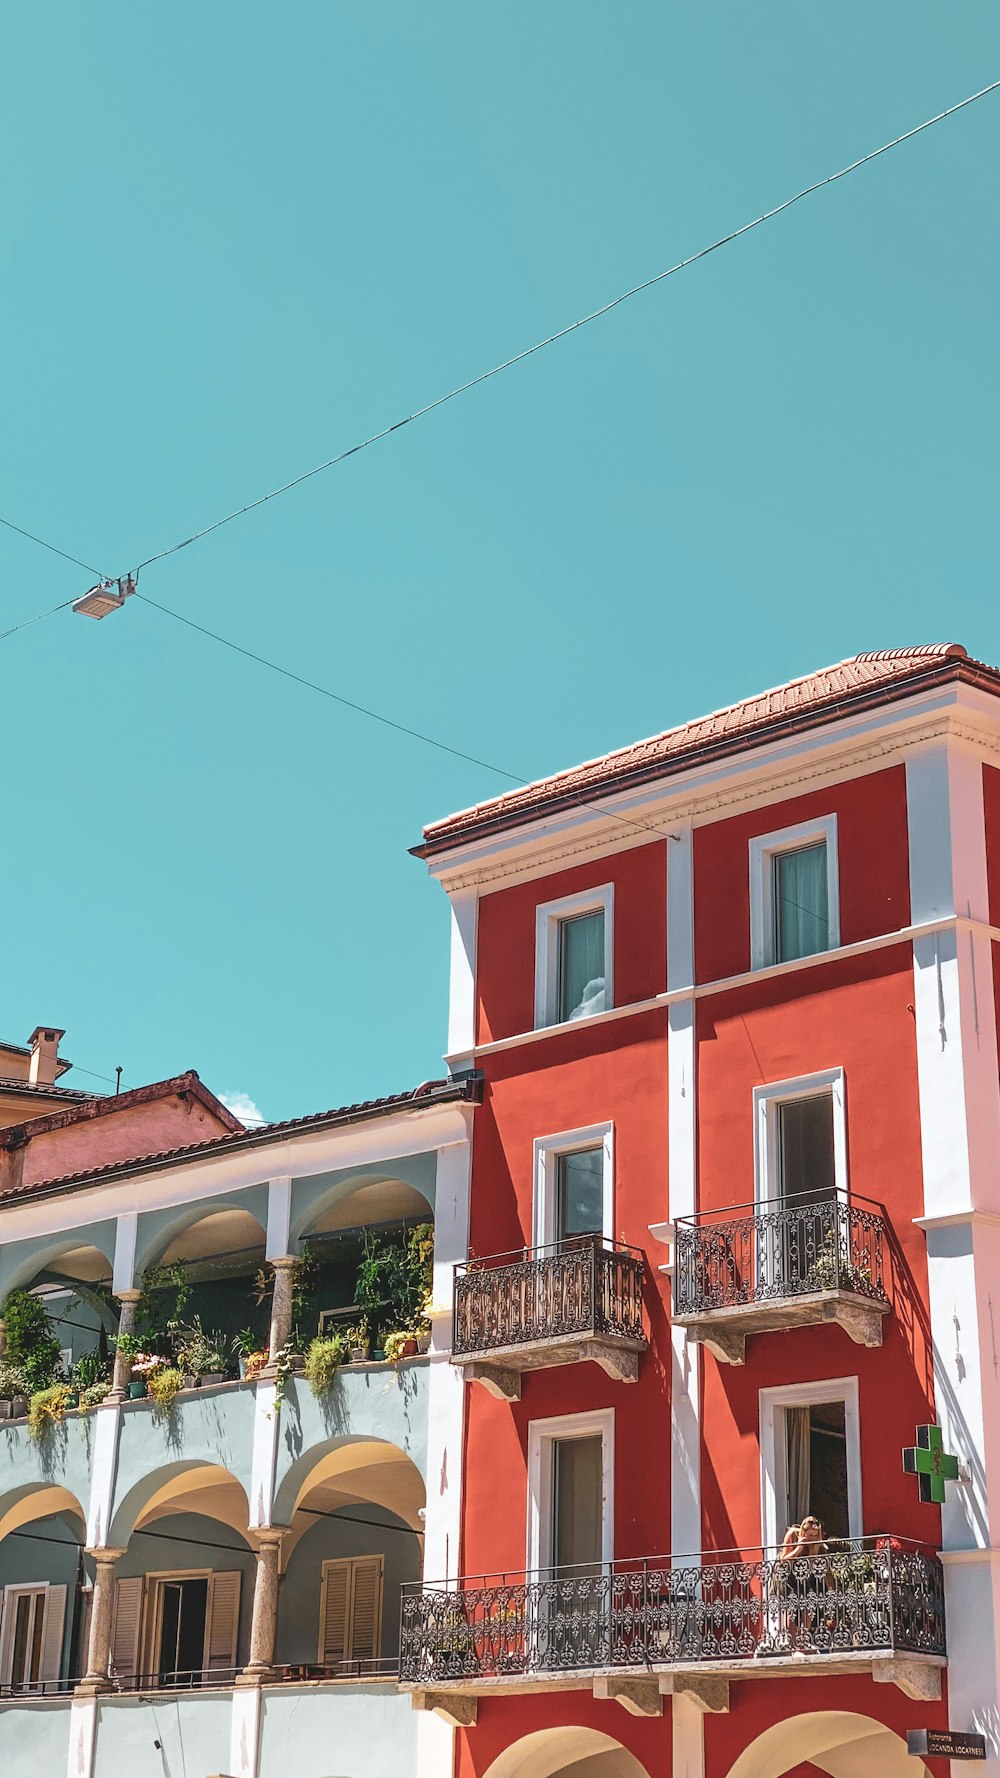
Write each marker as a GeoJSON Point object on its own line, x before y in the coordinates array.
{"type": "Point", "coordinates": [791, 1618]}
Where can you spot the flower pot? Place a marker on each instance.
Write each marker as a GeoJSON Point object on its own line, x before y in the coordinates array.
{"type": "Point", "coordinates": [189, 1381]}
{"type": "Point", "coordinates": [6, 1410]}
{"type": "Point", "coordinates": [408, 1349]}
{"type": "Point", "coordinates": [20, 1407]}
{"type": "Point", "coordinates": [255, 1363]}
{"type": "Point", "coordinates": [424, 1343]}
{"type": "Point", "coordinates": [209, 1378]}
{"type": "Point", "coordinates": [138, 1389]}
{"type": "Point", "coordinates": [73, 1398]}
{"type": "Point", "coordinates": [359, 1355]}
{"type": "Point", "coordinates": [378, 1355]}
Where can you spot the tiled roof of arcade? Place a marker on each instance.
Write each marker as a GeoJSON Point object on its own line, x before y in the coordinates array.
{"type": "Point", "coordinates": [867, 680]}
{"type": "Point", "coordinates": [465, 1089]}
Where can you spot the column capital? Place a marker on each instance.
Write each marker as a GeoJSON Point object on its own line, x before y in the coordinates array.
{"type": "Point", "coordinates": [104, 1553]}
{"type": "Point", "coordinates": [129, 1296]}
{"type": "Point", "coordinates": [284, 1261]}
{"type": "Point", "coordinates": [269, 1536]}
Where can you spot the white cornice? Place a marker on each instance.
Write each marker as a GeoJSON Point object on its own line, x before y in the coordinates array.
{"type": "Point", "coordinates": [854, 747]}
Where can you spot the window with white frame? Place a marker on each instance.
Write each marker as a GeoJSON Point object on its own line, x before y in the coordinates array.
{"type": "Point", "coordinates": [801, 1138]}
{"type": "Point", "coordinates": [571, 1491]}
{"type": "Point", "coordinates": [573, 957]}
{"type": "Point", "coordinates": [810, 1449]}
{"type": "Point", "coordinates": [794, 893]}
{"type": "Point", "coordinates": [32, 1618]}
{"type": "Point", "coordinates": [801, 1179]}
{"type": "Point", "coordinates": [574, 1184]}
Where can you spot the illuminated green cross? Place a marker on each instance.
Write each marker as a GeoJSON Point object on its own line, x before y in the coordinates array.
{"type": "Point", "coordinates": [929, 1460]}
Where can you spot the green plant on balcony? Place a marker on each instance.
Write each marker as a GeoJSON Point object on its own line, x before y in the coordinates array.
{"type": "Point", "coordinates": [832, 1269]}
{"type": "Point", "coordinates": [358, 1340]}
{"type": "Point", "coordinates": [92, 1394]}
{"type": "Point", "coordinates": [394, 1279]}
{"type": "Point", "coordinates": [47, 1407]}
{"type": "Point", "coordinates": [13, 1389]}
{"type": "Point", "coordinates": [250, 1354]}
{"type": "Point", "coordinates": [165, 1385]}
{"type": "Point", "coordinates": [199, 1354]}
{"type": "Point", "coordinates": [323, 1360]}
{"type": "Point", "coordinates": [404, 1343]}
{"type": "Point", "coordinates": [30, 1342]}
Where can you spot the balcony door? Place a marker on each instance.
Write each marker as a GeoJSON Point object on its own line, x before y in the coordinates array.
{"type": "Point", "coordinates": [801, 1177]}
{"type": "Point", "coordinates": [570, 1462]}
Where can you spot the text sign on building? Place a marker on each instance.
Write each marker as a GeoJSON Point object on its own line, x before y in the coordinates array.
{"type": "Point", "coordinates": [945, 1744]}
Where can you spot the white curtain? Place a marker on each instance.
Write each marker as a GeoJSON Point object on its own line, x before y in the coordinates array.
{"type": "Point", "coordinates": [799, 1479]}
{"type": "Point", "coordinates": [801, 912]}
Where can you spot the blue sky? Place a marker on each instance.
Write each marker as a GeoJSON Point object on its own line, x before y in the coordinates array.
{"type": "Point", "coordinates": [235, 240]}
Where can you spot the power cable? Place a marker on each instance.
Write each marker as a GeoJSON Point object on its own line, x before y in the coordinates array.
{"type": "Point", "coordinates": [530, 351]}
{"type": "Point", "coordinates": [39, 615]}
{"type": "Point", "coordinates": [573, 327]}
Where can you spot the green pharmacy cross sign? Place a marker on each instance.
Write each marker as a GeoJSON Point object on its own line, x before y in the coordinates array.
{"type": "Point", "coordinates": [929, 1460]}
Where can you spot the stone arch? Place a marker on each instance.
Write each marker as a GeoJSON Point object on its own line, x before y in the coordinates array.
{"type": "Point", "coordinates": [570, 1751]}
{"type": "Point", "coordinates": [161, 1230]}
{"type": "Point", "coordinates": [36, 1500]}
{"type": "Point", "coordinates": [22, 1262]}
{"type": "Point", "coordinates": [400, 1188]}
{"type": "Point", "coordinates": [190, 1485]}
{"type": "Point", "coordinates": [839, 1742]}
{"type": "Point", "coordinates": [355, 1468]}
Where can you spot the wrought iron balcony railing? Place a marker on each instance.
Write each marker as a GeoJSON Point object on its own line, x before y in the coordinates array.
{"type": "Point", "coordinates": [784, 1263]}
{"type": "Point", "coordinates": [874, 1597]}
{"type": "Point", "coordinates": [529, 1304]}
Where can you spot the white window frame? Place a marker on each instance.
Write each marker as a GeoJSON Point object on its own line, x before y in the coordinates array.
{"type": "Point", "coordinates": [9, 1596]}
{"type": "Point", "coordinates": [547, 1150]}
{"type": "Point", "coordinates": [763, 851]}
{"type": "Point", "coordinates": [542, 1436]}
{"type": "Point", "coordinates": [773, 1458]}
{"type": "Point", "coordinates": [548, 918]}
{"type": "Point", "coordinates": [766, 1100]}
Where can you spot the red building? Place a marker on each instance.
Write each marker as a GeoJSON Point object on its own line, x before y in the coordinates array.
{"type": "Point", "coordinates": [731, 1238]}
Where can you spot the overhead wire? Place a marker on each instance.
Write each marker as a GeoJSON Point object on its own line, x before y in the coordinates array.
{"type": "Point", "coordinates": [440, 401]}
{"type": "Point", "coordinates": [573, 326]}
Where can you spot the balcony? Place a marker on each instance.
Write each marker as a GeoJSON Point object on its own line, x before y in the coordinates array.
{"type": "Point", "coordinates": [566, 1303]}
{"type": "Point", "coordinates": [637, 1630]}
{"type": "Point", "coordinates": [783, 1265]}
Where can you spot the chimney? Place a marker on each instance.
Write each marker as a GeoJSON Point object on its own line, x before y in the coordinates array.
{"type": "Point", "coordinates": [44, 1046]}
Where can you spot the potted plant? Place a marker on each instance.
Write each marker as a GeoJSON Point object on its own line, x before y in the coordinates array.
{"type": "Point", "coordinates": [357, 1342]}
{"type": "Point", "coordinates": [144, 1368]}
{"type": "Point", "coordinates": [13, 1391]}
{"type": "Point", "coordinates": [323, 1360]}
{"type": "Point", "coordinates": [93, 1394]}
{"type": "Point", "coordinates": [30, 1342]}
{"type": "Point", "coordinates": [165, 1384]}
{"type": "Point", "coordinates": [251, 1356]}
{"type": "Point", "coordinates": [400, 1345]}
{"type": "Point", "coordinates": [46, 1409]}
{"type": "Point", "coordinates": [200, 1354]}
{"type": "Point", "coordinates": [394, 1277]}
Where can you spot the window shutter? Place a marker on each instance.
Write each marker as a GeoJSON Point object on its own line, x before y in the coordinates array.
{"type": "Point", "coordinates": [52, 1633]}
{"type": "Point", "coordinates": [223, 1620]}
{"type": "Point", "coordinates": [6, 1634]}
{"type": "Point", "coordinates": [366, 1614]}
{"type": "Point", "coordinates": [125, 1628]}
{"type": "Point", "coordinates": [334, 1608]}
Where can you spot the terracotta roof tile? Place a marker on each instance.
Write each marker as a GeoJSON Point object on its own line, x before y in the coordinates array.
{"type": "Point", "coordinates": [432, 1092]}
{"type": "Point", "coordinates": [865, 679]}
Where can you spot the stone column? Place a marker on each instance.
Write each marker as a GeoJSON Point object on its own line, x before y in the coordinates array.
{"type": "Point", "coordinates": [99, 1654]}
{"type": "Point", "coordinates": [123, 1365]}
{"type": "Point", "coordinates": [264, 1622]}
{"type": "Point", "coordinates": [3, 1336]}
{"type": "Point", "coordinates": [281, 1305]}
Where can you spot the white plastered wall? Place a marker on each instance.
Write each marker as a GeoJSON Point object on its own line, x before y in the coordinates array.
{"type": "Point", "coordinates": [960, 1142]}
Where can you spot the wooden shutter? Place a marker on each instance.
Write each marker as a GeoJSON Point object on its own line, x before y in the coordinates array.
{"type": "Point", "coordinates": [351, 1610]}
{"type": "Point", "coordinates": [52, 1633]}
{"type": "Point", "coordinates": [366, 1608]}
{"type": "Point", "coordinates": [222, 1621]}
{"type": "Point", "coordinates": [7, 1613]}
{"type": "Point", "coordinates": [125, 1627]}
{"type": "Point", "coordinates": [334, 1613]}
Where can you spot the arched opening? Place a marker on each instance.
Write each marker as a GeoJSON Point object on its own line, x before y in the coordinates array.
{"type": "Point", "coordinates": [185, 1582]}
{"type": "Point", "coordinates": [202, 1268]}
{"type": "Point", "coordinates": [354, 1508]}
{"type": "Point", "coordinates": [573, 1752]}
{"type": "Point", "coordinates": [71, 1279]}
{"type": "Point", "coordinates": [839, 1742]}
{"type": "Point", "coordinates": [361, 1235]}
{"type": "Point", "coordinates": [43, 1593]}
